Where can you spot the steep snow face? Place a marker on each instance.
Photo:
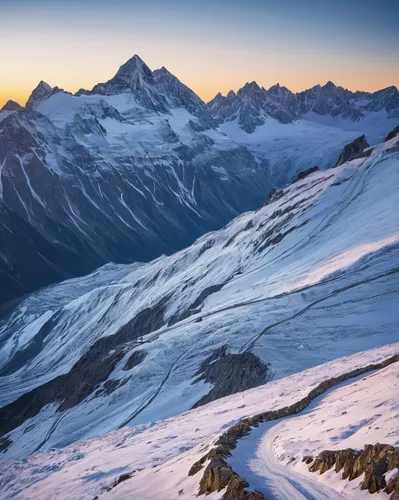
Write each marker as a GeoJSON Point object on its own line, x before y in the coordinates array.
{"type": "Point", "coordinates": [159, 455]}
{"type": "Point", "coordinates": [310, 276]}
{"type": "Point", "coordinates": [374, 114]}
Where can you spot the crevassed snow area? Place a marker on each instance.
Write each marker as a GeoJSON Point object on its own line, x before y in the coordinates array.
{"type": "Point", "coordinates": [160, 454]}
{"type": "Point", "coordinates": [307, 278]}
{"type": "Point", "coordinates": [360, 412]}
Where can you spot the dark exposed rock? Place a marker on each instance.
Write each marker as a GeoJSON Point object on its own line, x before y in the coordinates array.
{"type": "Point", "coordinates": [121, 478]}
{"type": "Point", "coordinates": [5, 442]}
{"type": "Point", "coordinates": [218, 470]}
{"type": "Point", "coordinates": [109, 386]}
{"type": "Point", "coordinates": [195, 308]}
{"type": "Point", "coordinates": [86, 376]}
{"type": "Point", "coordinates": [393, 133]}
{"type": "Point", "coordinates": [305, 173]}
{"type": "Point", "coordinates": [323, 462]}
{"type": "Point", "coordinates": [42, 91]}
{"type": "Point", "coordinates": [205, 293]}
{"type": "Point", "coordinates": [230, 373]}
{"type": "Point", "coordinates": [374, 461]}
{"type": "Point", "coordinates": [352, 150]}
{"type": "Point", "coordinates": [274, 195]}
{"type": "Point", "coordinates": [216, 476]}
{"type": "Point", "coordinates": [236, 490]}
{"type": "Point", "coordinates": [135, 359]}
{"type": "Point", "coordinates": [22, 357]}
{"type": "Point", "coordinates": [11, 105]}
{"type": "Point", "coordinates": [393, 487]}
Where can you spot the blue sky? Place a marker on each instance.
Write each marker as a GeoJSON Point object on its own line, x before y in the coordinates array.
{"type": "Point", "coordinates": [210, 45]}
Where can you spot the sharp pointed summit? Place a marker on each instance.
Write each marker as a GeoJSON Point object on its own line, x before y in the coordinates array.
{"type": "Point", "coordinates": [131, 76]}
{"type": "Point", "coordinates": [42, 91]}
{"type": "Point", "coordinates": [135, 66]}
{"type": "Point", "coordinates": [11, 105]}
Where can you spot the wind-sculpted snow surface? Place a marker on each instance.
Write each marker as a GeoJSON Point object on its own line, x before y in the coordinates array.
{"type": "Point", "coordinates": [310, 276]}
{"type": "Point", "coordinates": [152, 461]}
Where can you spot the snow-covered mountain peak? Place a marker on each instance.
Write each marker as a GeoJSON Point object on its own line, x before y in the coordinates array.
{"type": "Point", "coordinates": [278, 89]}
{"type": "Point", "coordinates": [133, 75]}
{"type": "Point", "coordinates": [42, 91]}
{"type": "Point", "coordinates": [329, 85]}
{"type": "Point", "coordinates": [250, 87]}
{"type": "Point", "coordinates": [327, 104]}
{"type": "Point", "coordinates": [135, 67]}
{"type": "Point", "coordinates": [11, 105]}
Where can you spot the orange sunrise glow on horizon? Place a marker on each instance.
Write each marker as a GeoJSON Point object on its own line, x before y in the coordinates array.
{"type": "Point", "coordinates": [211, 51]}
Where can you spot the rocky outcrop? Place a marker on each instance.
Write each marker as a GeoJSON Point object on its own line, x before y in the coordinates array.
{"type": "Point", "coordinates": [135, 359]}
{"type": "Point", "coordinates": [218, 474]}
{"type": "Point", "coordinates": [374, 461]}
{"type": "Point", "coordinates": [230, 373]}
{"type": "Point", "coordinates": [352, 150]}
{"type": "Point", "coordinates": [11, 105]}
{"type": "Point", "coordinates": [121, 479]}
{"type": "Point", "coordinates": [393, 133]}
{"type": "Point", "coordinates": [305, 173]}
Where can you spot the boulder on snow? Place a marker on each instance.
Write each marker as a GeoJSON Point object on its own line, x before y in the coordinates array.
{"type": "Point", "coordinates": [352, 150]}
{"type": "Point", "coordinates": [393, 133]}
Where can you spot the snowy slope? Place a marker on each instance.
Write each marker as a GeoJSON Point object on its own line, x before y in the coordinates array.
{"type": "Point", "coordinates": [310, 276]}
{"type": "Point", "coordinates": [159, 455]}
{"type": "Point", "coordinates": [289, 148]}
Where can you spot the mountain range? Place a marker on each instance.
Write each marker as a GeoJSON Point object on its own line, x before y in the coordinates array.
{"type": "Point", "coordinates": [253, 105]}
{"type": "Point", "coordinates": [140, 166]}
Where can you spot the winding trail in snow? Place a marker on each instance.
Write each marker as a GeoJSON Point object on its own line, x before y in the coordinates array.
{"type": "Point", "coordinates": [248, 345]}
{"type": "Point", "coordinates": [254, 459]}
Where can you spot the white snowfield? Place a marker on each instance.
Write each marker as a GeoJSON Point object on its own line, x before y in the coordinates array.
{"type": "Point", "coordinates": [159, 455]}
{"type": "Point", "coordinates": [309, 277]}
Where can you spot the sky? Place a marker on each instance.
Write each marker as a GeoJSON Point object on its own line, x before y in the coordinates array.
{"type": "Point", "coordinates": [210, 45]}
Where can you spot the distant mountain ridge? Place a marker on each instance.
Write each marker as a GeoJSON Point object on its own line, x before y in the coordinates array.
{"type": "Point", "coordinates": [253, 104]}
